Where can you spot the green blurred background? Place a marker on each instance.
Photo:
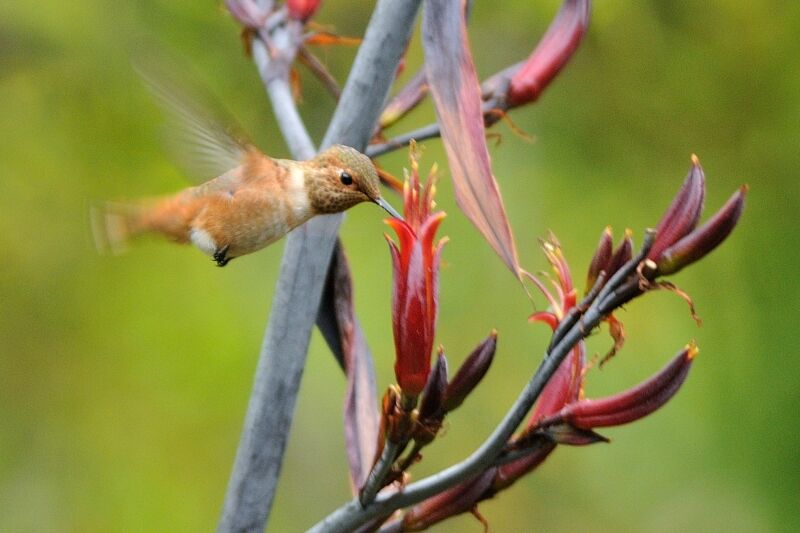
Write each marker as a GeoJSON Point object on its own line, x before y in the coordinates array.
{"type": "Point", "coordinates": [124, 380]}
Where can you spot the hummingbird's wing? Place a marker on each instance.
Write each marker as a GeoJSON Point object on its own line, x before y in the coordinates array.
{"type": "Point", "coordinates": [205, 140]}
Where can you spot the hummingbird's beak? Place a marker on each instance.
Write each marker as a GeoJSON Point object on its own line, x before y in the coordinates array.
{"type": "Point", "coordinates": [389, 209]}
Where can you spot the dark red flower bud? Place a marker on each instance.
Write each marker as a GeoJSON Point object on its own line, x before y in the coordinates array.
{"type": "Point", "coordinates": [455, 500]}
{"type": "Point", "coordinates": [702, 241]}
{"type": "Point", "coordinates": [470, 373]}
{"type": "Point", "coordinates": [684, 212]}
{"type": "Point", "coordinates": [601, 259]}
{"type": "Point", "coordinates": [434, 393]}
{"type": "Point", "coordinates": [302, 10]}
{"type": "Point", "coordinates": [634, 403]}
{"type": "Point", "coordinates": [551, 54]}
{"type": "Point", "coordinates": [622, 254]}
{"type": "Point", "coordinates": [507, 474]}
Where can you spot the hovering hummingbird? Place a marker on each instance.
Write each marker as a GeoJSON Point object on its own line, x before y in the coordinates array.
{"type": "Point", "coordinates": [254, 200]}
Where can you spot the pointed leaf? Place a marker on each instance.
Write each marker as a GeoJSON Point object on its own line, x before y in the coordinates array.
{"type": "Point", "coordinates": [457, 97]}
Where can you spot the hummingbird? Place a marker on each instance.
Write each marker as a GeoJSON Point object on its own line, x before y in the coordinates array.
{"type": "Point", "coordinates": [253, 201]}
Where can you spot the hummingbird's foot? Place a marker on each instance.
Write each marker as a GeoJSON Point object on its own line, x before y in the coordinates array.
{"type": "Point", "coordinates": [220, 256]}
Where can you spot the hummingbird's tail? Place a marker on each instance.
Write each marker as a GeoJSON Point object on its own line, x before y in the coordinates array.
{"type": "Point", "coordinates": [114, 224]}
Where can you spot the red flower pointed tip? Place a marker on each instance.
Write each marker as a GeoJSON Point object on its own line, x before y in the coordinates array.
{"type": "Point", "coordinates": [683, 213]}
{"type": "Point", "coordinates": [545, 317]}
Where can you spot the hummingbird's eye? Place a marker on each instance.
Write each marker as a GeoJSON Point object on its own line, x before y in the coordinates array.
{"type": "Point", "coordinates": [346, 178]}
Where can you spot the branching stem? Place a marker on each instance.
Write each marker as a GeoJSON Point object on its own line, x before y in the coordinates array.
{"type": "Point", "coordinates": [617, 292]}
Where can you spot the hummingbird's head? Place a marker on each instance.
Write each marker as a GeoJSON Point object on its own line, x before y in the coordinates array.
{"type": "Point", "coordinates": [341, 177]}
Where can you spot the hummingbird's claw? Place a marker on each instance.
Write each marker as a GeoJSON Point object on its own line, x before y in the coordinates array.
{"type": "Point", "coordinates": [389, 209]}
{"type": "Point", "coordinates": [220, 257]}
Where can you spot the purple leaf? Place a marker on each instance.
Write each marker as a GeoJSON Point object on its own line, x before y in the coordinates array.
{"type": "Point", "coordinates": [457, 96]}
{"type": "Point", "coordinates": [342, 331]}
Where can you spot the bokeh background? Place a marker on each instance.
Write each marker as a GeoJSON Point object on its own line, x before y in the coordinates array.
{"type": "Point", "coordinates": [124, 380]}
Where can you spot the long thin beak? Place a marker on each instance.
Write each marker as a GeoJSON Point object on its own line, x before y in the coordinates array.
{"type": "Point", "coordinates": [389, 209]}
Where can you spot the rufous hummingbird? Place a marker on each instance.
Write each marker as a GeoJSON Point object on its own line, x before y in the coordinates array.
{"type": "Point", "coordinates": [254, 201]}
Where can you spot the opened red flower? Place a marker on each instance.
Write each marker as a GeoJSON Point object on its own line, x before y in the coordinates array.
{"type": "Point", "coordinates": [562, 415]}
{"type": "Point", "coordinates": [415, 293]}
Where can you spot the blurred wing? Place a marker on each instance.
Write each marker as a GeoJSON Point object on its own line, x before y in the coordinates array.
{"type": "Point", "coordinates": [204, 139]}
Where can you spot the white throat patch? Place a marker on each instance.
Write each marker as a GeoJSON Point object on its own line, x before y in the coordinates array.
{"type": "Point", "coordinates": [297, 191]}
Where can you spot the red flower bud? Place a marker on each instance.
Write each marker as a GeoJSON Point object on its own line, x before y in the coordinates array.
{"type": "Point", "coordinates": [302, 10]}
{"type": "Point", "coordinates": [700, 242]}
{"type": "Point", "coordinates": [507, 474]}
{"type": "Point", "coordinates": [622, 254]}
{"type": "Point", "coordinates": [634, 403]}
{"type": "Point", "coordinates": [684, 212]}
{"type": "Point", "coordinates": [470, 373]}
{"type": "Point", "coordinates": [601, 259]}
{"type": "Point", "coordinates": [551, 54]}
{"type": "Point", "coordinates": [433, 395]}
{"type": "Point", "coordinates": [455, 500]}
